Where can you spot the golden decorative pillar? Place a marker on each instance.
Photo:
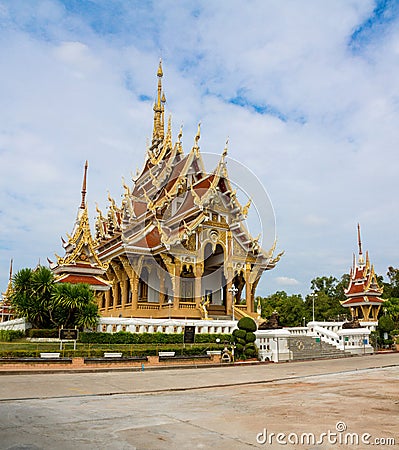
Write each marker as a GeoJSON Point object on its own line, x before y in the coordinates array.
{"type": "Point", "coordinates": [248, 288]}
{"type": "Point", "coordinates": [107, 299]}
{"type": "Point", "coordinates": [124, 286]}
{"type": "Point", "coordinates": [161, 286]}
{"type": "Point", "coordinates": [134, 286]}
{"type": "Point", "coordinates": [229, 291]}
{"type": "Point", "coordinates": [176, 285]}
{"type": "Point", "coordinates": [229, 273]}
{"type": "Point", "coordinates": [199, 270]}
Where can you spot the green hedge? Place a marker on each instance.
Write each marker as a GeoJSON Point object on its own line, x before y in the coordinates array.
{"type": "Point", "coordinates": [10, 335]}
{"type": "Point", "coordinates": [97, 350]}
{"type": "Point", "coordinates": [43, 333]}
{"type": "Point", "coordinates": [124, 337]}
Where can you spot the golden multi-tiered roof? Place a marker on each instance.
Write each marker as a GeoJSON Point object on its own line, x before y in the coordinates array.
{"type": "Point", "coordinates": [178, 238]}
{"type": "Point", "coordinates": [80, 263]}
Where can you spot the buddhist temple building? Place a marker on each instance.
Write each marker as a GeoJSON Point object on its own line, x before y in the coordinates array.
{"type": "Point", "coordinates": [177, 245]}
{"type": "Point", "coordinates": [363, 295]}
{"type": "Point", "coordinates": [80, 263]}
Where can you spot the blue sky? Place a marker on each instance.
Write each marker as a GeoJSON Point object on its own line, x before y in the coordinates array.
{"type": "Point", "coordinates": [306, 91]}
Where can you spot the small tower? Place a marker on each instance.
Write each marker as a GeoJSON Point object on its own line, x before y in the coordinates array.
{"type": "Point", "coordinates": [6, 312]}
{"type": "Point", "coordinates": [80, 263]}
{"type": "Point", "coordinates": [363, 293]}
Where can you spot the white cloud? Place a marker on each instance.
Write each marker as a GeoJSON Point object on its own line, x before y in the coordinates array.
{"type": "Point", "coordinates": [286, 281]}
{"type": "Point", "coordinates": [70, 90]}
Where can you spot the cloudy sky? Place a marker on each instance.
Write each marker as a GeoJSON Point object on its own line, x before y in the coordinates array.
{"type": "Point", "coordinates": [306, 91]}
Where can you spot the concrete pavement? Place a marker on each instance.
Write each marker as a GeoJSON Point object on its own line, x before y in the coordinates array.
{"type": "Point", "coordinates": [220, 408]}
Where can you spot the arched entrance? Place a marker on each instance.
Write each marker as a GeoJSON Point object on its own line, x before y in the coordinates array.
{"type": "Point", "coordinates": [213, 280]}
{"type": "Point", "coordinates": [187, 280]}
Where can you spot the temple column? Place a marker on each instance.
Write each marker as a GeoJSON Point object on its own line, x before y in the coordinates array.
{"type": "Point", "coordinates": [161, 286]}
{"type": "Point", "coordinates": [134, 286]}
{"type": "Point", "coordinates": [229, 293]}
{"type": "Point", "coordinates": [199, 270]}
{"type": "Point", "coordinates": [124, 284]}
{"type": "Point", "coordinates": [107, 299]}
{"type": "Point", "coordinates": [229, 274]}
{"type": "Point", "coordinates": [176, 285]}
{"type": "Point", "coordinates": [248, 288]}
{"type": "Point", "coordinates": [253, 289]}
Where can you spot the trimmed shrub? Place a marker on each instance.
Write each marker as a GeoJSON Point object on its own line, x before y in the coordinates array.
{"type": "Point", "coordinates": [239, 334]}
{"type": "Point", "coordinates": [239, 348]}
{"type": "Point", "coordinates": [11, 335]}
{"type": "Point", "coordinates": [247, 324]}
{"type": "Point", "coordinates": [241, 341]}
{"type": "Point", "coordinates": [125, 337]}
{"type": "Point", "coordinates": [43, 333]}
{"type": "Point", "coordinates": [250, 353]}
{"type": "Point", "coordinates": [245, 338]}
{"type": "Point", "coordinates": [250, 337]}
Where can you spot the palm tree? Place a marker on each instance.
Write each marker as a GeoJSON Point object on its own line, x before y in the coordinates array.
{"type": "Point", "coordinates": [76, 305]}
{"type": "Point", "coordinates": [46, 304]}
{"type": "Point", "coordinates": [31, 295]}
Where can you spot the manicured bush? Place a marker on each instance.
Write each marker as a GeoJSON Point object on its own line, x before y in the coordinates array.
{"type": "Point", "coordinates": [247, 324]}
{"type": "Point", "coordinates": [250, 337]}
{"type": "Point", "coordinates": [239, 348]}
{"type": "Point", "coordinates": [43, 333]}
{"type": "Point", "coordinates": [10, 335]}
{"type": "Point", "coordinates": [241, 341]}
{"type": "Point", "coordinates": [239, 334]}
{"type": "Point", "coordinates": [124, 337]}
{"type": "Point", "coordinates": [245, 338]}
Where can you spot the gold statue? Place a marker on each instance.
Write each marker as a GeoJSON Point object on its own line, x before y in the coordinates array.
{"type": "Point", "coordinates": [204, 305]}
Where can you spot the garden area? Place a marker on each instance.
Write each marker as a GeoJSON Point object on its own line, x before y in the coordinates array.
{"type": "Point", "coordinates": [14, 344]}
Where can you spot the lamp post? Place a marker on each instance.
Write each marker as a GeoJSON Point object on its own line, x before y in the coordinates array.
{"type": "Point", "coordinates": [304, 320]}
{"type": "Point", "coordinates": [313, 295]}
{"type": "Point", "coordinates": [234, 291]}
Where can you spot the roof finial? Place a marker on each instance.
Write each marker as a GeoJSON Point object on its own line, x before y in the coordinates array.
{"type": "Point", "coordinates": [158, 131]}
{"type": "Point", "coordinates": [83, 204]}
{"type": "Point", "coordinates": [361, 260]}
{"type": "Point", "coordinates": [197, 136]}
{"type": "Point", "coordinates": [11, 269]}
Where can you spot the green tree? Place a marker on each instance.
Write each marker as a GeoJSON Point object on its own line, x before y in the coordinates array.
{"type": "Point", "coordinates": [327, 294]}
{"type": "Point", "coordinates": [290, 308]}
{"type": "Point", "coordinates": [391, 308]}
{"type": "Point", "coordinates": [391, 289]}
{"type": "Point", "coordinates": [75, 305]}
{"type": "Point", "coordinates": [31, 295]}
{"type": "Point", "coordinates": [46, 304]}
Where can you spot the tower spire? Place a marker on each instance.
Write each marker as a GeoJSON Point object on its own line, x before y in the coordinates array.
{"type": "Point", "coordinates": [11, 262]}
{"type": "Point", "coordinates": [83, 204]}
{"type": "Point", "coordinates": [361, 260]}
{"type": "Point", "coordinates": [158, 131]}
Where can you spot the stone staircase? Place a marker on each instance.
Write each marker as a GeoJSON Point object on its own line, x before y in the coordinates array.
{"type": "Point", "coordinates": [306, 347]}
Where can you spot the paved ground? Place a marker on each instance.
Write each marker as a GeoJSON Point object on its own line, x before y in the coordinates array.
{"type": "Point", "coordinates": [219, 408]}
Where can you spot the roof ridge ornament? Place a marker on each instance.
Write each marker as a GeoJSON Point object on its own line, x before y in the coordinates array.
{"type": "Point", "coordinates": [84, 191]}
{"type": "Point", "coordinates": [158, 130]}
{"type": "Point", "coordinates": [197, 137]}
{"type": "Point", "coordinates": [361, 259]}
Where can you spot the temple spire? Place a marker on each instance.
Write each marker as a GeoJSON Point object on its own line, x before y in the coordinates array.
{"type": "Point", "coordinates": [361, 259]}
{"type": "Point", "coordinates": [159, 131]}
{"type": "Point", "coordinates": [83, 204]}
{"type": "Point", "coordinates": [10, 278]}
